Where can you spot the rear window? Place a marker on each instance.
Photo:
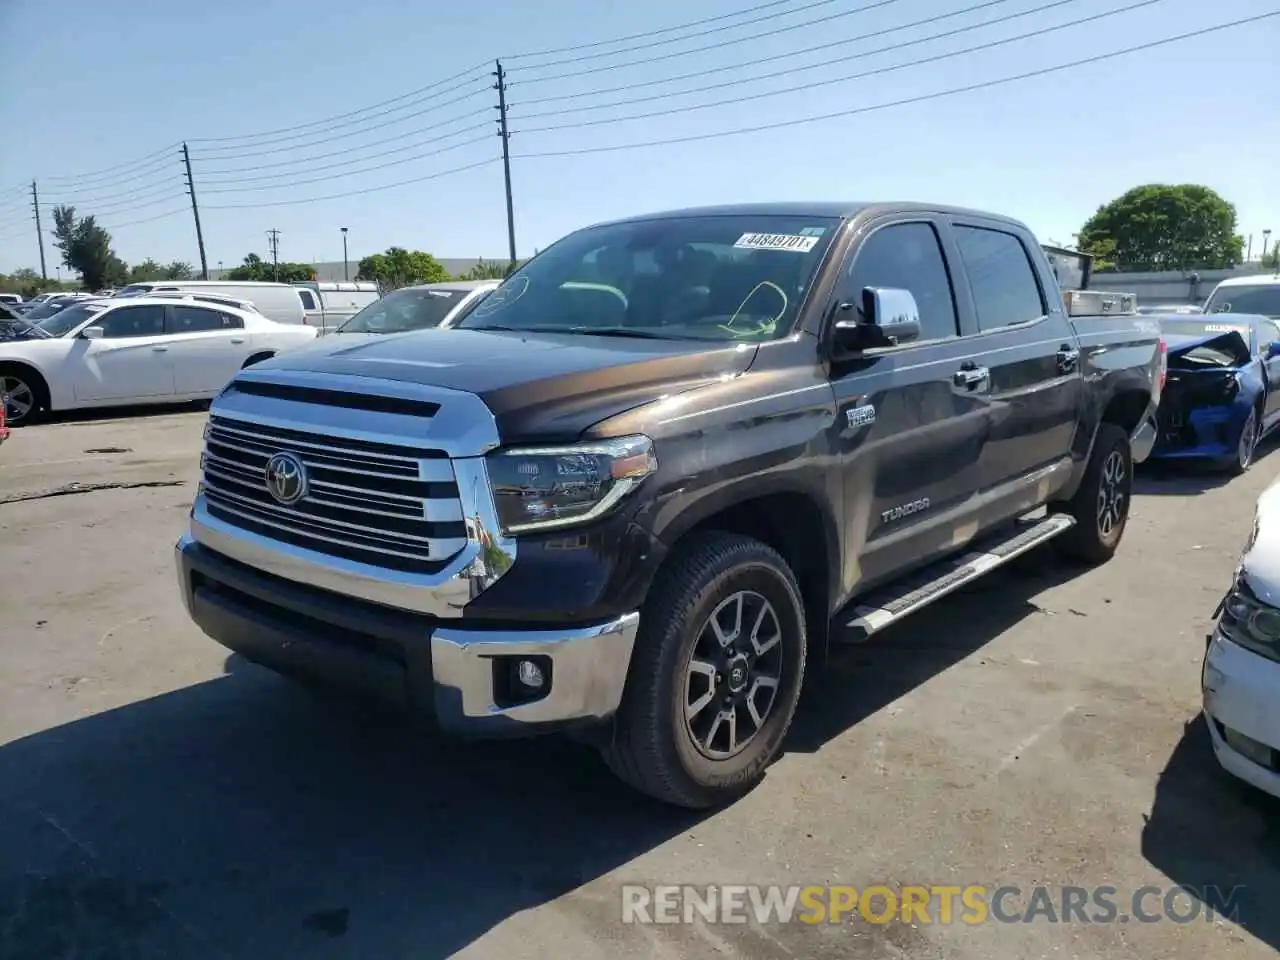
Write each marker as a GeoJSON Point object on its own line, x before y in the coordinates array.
{"type": "Point", "coordinates": [1263, 298]}
{"type": "Point", "coordinates": [404, 310]}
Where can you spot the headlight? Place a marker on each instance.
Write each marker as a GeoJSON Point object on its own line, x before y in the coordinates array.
{"type": "Point", "coordinates": [1250, 623]}
{"type": "Point", "coordinates": [546, 488]}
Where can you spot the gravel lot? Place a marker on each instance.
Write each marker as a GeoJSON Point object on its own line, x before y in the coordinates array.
{"type": "Point", "coordinates": [160, 800]}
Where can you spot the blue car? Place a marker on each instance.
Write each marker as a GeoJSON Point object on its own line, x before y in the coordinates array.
{"type": "Point", "coordinates": [1222, 394]}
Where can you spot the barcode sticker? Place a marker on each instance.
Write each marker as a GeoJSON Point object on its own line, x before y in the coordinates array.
{"type": "Point", "coordinates": [776, 241]}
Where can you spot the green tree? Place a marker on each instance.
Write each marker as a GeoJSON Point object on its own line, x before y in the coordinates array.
{"type": "Point", "coordinates": [178, 270]}
{"type": "Point", "coordinates": [255, 268]}
{"type": "Point", "coordinates": [398, 267]}
{"type": "Point", "coordinates": [1164, 227]}
{"type": "Point", "coordinates": [86, 249]}
{"type": "Point", "coordinates": [148, 269]}
{"type": "Point", "coordinates": [490, 270]}
{"type": "Point", "coordinates": [1271, 259]}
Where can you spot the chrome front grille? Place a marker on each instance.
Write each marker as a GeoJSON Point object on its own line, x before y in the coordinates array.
{"type": "Point", "coordinates": [386, 505]}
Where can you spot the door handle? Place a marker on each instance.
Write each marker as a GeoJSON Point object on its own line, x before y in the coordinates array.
{"type": "Point", "coordinates": [970, 377]}
{"type": "Point", "coordinates": [1068, 358]}
{"type": "Point", "coordinates": [159, 349]}
{"type": "Point", "coordinates": [237, 339]}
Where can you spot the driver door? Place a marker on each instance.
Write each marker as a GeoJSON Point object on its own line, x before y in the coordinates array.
{"type": "Point", "coordinates": [131, 359]}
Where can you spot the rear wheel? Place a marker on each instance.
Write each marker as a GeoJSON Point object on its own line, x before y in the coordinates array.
{"type": "Point", "coordinates": [715, 676]}
{"type": "Point", "coordinates": [1101, 504]}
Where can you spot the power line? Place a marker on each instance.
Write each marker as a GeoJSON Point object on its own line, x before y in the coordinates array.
{"type": "Point", "coordinates": [655, 58]}
{"type": "Point", "coordinates": [350, 113]}
{"type": "Point", "coordinates": [110, 173]}
{"type": "Point", "coordinates": [378, 126]}
{"type": "Point", "coordinates": [758, 61]}
{"type": "Point", "coordinates": [708, 32]}
{"type": "Point", "coordinates": [131, 205]}
{"type": "Point", "coordinates": [746, 98]}
{"type": "Point", "coordinates": [110, 199]}
{"type": "Point", "coordinates": [348, 150]}
{"type": "Point", "coordinates": [356, 193]}
{"type": "Point", "coordinates": [158, 216]}
{"type": "Point", "coordinates": [293, 182]}
{"type": "Point", "coordinates": [648, 33]}
{"type": "Point", "coordinates": [906, 101]}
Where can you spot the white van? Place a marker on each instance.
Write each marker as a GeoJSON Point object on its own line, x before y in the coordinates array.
{"type": "Point", "coordinates": [276, 301]}
{"type": "Point", "coordinates": [329, 304]}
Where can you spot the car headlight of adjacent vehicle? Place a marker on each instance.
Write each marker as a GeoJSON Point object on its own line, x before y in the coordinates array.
{"type": "Point", "coordinates": [540, 489]}
{"type": "Point", "coordinates": [1249, 622]}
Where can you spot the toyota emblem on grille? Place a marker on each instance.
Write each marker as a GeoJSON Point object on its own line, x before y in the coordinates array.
{"type": "Point", "coordinates": [286, 478]}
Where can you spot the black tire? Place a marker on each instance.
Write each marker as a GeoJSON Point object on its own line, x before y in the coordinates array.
{"type": "Point", "coordinates": [1107, 484]}
{"type": "Point", "coordinates": [1246, 447]}
{"type": "Point", "coordinates": [653, 748]}
{"type": "Point", "coordinates": [24, 394]}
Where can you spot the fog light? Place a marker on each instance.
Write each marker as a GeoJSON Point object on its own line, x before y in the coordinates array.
{"type": "Point", "coordinates": [530, 674]}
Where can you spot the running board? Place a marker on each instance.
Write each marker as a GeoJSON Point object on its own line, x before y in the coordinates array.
{"type": "Point", "coordinates": [890, 604]}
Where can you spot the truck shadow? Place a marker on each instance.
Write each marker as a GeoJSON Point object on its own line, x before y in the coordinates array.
{"type": "Point", "coordinates": [861, 680]}
{"type": "Point", "coordinates": [245, 816]}
{"type": "Point", "coordinates": [1210, 833]}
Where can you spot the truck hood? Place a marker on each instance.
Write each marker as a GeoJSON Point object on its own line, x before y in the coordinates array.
{"type": "Point", "coordinates": [1230, 344]}
{"type": "Point", "coordinates": [540, 387]}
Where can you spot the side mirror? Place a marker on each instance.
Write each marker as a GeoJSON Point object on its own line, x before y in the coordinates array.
{"type": "Point", "coordinates": [889, 317]}
{"type": "Point", "coordinates": [92, 333]}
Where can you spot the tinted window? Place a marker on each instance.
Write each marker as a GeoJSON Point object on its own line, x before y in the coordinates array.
{"type": "Point", "coordinates": [308, 301]}
{"type": "Point", "coordinates": [408, 309]}
{"type": "Point", "coordinates": [1269, 331]}
{"type": "Point", "coordinates": [197, 319]}
{"type": "Point", "coordinates": [726, 278]}
{"type": "Point", "coordinates": [145, 321]}
{"type": "Point", "coordinates": [1004, 285]}
{"type": "Point", "coordinates": [907, 256]}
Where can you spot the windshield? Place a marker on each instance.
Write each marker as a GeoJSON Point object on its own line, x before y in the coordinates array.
{"type": "Point", "coordinates": [64, 321]}
{"type": "Point", "coordinates": [134, 290]}
{"type": "Point", "coordinates": [11, 330]}
{"type": "Point", "coordinates": [401, 310]}
{"type": "Point", "coordinates": [726, 278]}
{"type": "Point", "coordinates": [1263, 298]}
{"type": "Point", "coordinates": [1205, 328]}
{"type": "Point", "coordinates": [47, 309]}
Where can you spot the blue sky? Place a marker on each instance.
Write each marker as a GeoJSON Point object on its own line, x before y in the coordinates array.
{"type": "Point", "coordinates": [95, 97]}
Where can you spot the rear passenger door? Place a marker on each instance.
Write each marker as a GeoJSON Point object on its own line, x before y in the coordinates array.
{"type": "Point", "coordinates": [910, 439]}
{"type": "Point", "coordinates": [207, 347]}
{"type": "Point", "coordinates": [1019, 336]}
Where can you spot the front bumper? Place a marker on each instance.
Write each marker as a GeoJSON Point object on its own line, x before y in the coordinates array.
{"type": "Point", "coordinates": [1241, 693]}
{"type": "Point", "coordinates": [460, 675]}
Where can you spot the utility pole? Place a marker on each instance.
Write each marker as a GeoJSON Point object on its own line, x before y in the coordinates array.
{"type": "Point", "coordinates": [501, 87]}
{"type": "Point", "coordinates": [344, 253]}
{"type": "Point", "coordinates": [35, 205]}
{"type": "Point", "coordinates": [195, 210]}
{"type": "Point", "coordinates": [275, 254]}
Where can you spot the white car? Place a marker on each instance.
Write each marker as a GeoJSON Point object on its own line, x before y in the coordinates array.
{"type": "Point", "coordinates": [144, 350]}
{"type": "Point", "coordinates": [1241, 674]}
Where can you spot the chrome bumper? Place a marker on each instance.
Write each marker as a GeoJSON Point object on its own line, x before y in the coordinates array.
{"type": "Point", "coordinates": [1143, 439]}
{"type": "Point", "coordinates": [458, 675]}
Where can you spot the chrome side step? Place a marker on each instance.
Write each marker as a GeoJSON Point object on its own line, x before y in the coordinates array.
{"type": "Point", "coordinates": [890, 604]}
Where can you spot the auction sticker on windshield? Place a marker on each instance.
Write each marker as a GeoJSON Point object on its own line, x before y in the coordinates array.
{"type": "Point", "coordinates": [776, 241]}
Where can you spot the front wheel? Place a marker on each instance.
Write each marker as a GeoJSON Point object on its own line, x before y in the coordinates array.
{"type": "Point", "coordinates": [1245, 447]}
{"type": "Point", "coordinates": [1101, 504]}
{"type": "Point", "coordinates": [20, 395]}
{"type": "Point", "coordinates": [715, 676]}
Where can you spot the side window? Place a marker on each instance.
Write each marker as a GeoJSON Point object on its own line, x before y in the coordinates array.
{"type": "Point", "coordinates": [1003, 281]}
{"type": "Point", "coordinates": [907, 256]}
{"type": "Point", "coordinates": [1268, 332]}
{"type": "Point", "coordinates": [308, 301]}
{"type": "Point", "coordinates": [145, 321]}
{"type": "Point", "coordinates": [200, 319]}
